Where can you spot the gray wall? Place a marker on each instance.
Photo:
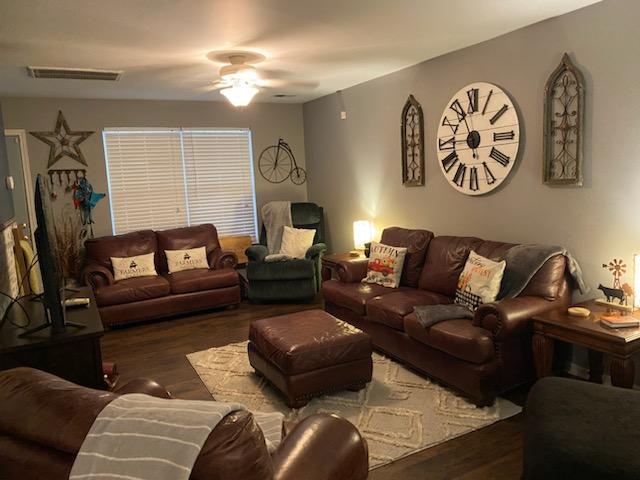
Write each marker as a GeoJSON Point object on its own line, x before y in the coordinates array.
{"type": "Point", "coordinates": [266, 121]}
{"type": "Point", "coordinates": [354, 165]}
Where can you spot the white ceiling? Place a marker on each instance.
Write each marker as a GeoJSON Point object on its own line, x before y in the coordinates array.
{"type": "Point", "coordinates": [317, 46]}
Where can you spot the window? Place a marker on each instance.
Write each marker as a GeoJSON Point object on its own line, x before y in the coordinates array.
{"type": "Point", "coordinates": [167, 178]}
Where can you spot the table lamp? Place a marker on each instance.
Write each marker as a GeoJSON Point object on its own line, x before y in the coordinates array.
{"type": "Point", "coordinates": [362, 233]}
{"type": "Point", "coordinates": [636, 281]}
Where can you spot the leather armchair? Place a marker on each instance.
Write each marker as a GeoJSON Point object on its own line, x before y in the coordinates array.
{"type": "Point", "coordinates": [295, 280]}
{"type": "Point", "coordinates": [44, 420]}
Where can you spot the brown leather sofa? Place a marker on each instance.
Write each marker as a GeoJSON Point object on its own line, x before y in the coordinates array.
{"type": "Point", "coordinates": [44, 420]}
{"type": "Point", "coordinates": [145, 298]}
{"type": "Point", "coordinates": [481, 357]}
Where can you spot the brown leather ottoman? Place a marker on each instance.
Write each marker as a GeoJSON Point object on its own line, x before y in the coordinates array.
{"type": "Point", "coordinates": [309, 353]}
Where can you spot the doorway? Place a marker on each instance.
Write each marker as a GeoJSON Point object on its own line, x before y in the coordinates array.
{"type": "Point", "coordinates": [20, 170]}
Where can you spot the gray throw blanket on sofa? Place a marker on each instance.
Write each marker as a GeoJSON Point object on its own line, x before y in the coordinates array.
{"type": "Point", "coordinates": [146, 438]}
{"type": "Point", "coordinates": [275, 216]}
{"type": "Point", "coordinates": [431, 314]}
{"type": "Point", "coordinates": [523, 262]}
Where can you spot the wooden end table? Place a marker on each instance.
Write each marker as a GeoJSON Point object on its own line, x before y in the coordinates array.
{"type": "Point", "coordinates": [620, 343]}
{"type": "Point", "coordinates": [330, 262]}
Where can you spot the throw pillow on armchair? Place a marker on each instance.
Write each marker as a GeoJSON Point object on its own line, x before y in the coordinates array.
{"type": "Point", "coordinates": [296, 241]}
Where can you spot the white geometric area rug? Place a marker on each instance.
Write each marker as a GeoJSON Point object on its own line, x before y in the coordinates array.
{"type": "Point", "coordinates": [399, 412]}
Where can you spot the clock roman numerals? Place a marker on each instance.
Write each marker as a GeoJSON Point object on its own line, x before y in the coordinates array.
{"type": "Point", "coordinates": [472, 94]}
{"type": "Point", "coordinates": [457, 107]}
{"type": "Point", "coordinates": [503, 136]}
{"type": "Point", "coordinates": [498, 114]}
{"type": "Point", "coordinates": [458, 178]}
{"type": "Point", "coordinates": [473, 179]}
{"type": "Point", "coordinates": [486, 102]}
{"type": "Point", "coordinates": [499, 157]}
{"type": "Point", "coordinates": [449, 161]}
{"type": "Point", "coordinates": [449, 144]}
{"type": "Point", "coordinates": [488, 174]}
{"type": "Point", "coordinates": [453, 126]}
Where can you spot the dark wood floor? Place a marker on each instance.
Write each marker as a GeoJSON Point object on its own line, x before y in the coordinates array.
{"type": "Point", "coordinates": [157, 350]}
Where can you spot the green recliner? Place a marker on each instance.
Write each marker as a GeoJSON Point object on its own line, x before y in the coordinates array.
{"type": "Point", "coordinates": [294, 280]}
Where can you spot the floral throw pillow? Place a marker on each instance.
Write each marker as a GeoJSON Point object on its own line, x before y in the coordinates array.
{"type": "Point", "coordinates": [479, 281]}
{"type": "Point", "coordinates": [385, 265]}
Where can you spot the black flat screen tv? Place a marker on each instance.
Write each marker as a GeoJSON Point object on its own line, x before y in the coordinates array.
{"type": "Point", "coordinates": [48, 259]}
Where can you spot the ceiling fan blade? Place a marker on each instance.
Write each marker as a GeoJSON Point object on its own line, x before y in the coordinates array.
{"type": "Point", "coordinates": [281, 83]}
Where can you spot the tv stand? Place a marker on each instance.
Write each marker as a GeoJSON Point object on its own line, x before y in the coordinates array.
{"type": "Point", "coordinates": [73, 354]}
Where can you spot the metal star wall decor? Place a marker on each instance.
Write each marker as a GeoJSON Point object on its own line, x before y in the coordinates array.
{"type": "Point", "coordinates": [63, 142]}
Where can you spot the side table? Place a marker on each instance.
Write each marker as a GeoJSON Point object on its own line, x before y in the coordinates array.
{"type": "Point", "coordinates": [588, 332]}
{"type": "Point", "coordinates": [330, 262]}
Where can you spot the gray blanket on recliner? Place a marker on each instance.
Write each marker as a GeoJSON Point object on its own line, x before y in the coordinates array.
{"type": "Point", "coordinates": [523, 262]}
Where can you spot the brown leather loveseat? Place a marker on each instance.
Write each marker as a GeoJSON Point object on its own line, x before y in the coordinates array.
{"type": "Point", "coordinates": [481, 357]}
{"type": "Point", "coordinates": [144, 298]}
{"type": "Point", "coordinates": [44, 420]}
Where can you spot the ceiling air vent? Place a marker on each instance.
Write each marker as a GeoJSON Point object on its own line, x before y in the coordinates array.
{"type": "Point", "coordinates": [74, 73]}
{"type": "Point", "coordinates": [283, 95]}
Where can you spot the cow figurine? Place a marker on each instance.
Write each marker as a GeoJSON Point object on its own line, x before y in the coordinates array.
{"type": "Point", "coordinates": [612, 293]}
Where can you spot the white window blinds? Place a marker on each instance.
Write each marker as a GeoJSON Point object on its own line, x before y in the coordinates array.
{"type": "Point", "coordinates": [146, 187]}
{"type": "Point", "coordinates": [219, 179]}
{"type": "Point", "coordinates": [170, 178]}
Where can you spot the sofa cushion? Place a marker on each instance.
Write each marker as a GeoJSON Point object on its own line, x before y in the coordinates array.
{"type": "Point", "coordinates": [185, 238]}
{"type": "Point", "coordinates": [416, 242]}
{"type": "Point", "coordinates": [308, 340]}
{"type": "Point", "coordinates": [100, 250]}
{"type": "Point", "coordinates": [458, 338]}
{"type": "Point", "coordinates": [493, 250]}
{"type": "Point", "coordinates": [201, 279]}
{"type": "Point", "coordinates": [353, 296]}
{"type": "Point", "coordinates": [445, 260]}
{"type": "Point", "coordinates": [132, 290]}
{"type": "Point", "coordinates": [292, 269]}
{"type": "Point", "coordinates": [391, 309]}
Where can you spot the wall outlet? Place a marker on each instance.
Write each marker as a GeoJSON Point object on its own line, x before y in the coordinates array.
{"type": "Point", "coordinates": [9, 182]}
{"type": "Point", "coordinates": [343, 115]}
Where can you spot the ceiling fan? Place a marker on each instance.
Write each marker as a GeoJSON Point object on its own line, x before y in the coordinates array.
{"type": "Point", "coordinates": [240, 81]}
{"type": "Point", "coordinates": [238, 78]}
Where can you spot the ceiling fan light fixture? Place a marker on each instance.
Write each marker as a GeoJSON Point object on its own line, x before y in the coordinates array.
{"type": "Point", "coordinates": [239, 72]}
{"type": "Point", "coordinates": [240, 94]}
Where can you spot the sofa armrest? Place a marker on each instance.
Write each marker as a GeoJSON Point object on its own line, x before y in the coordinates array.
{"type": "Point", "coordinates": [256, 253]}
{"type": "Point", "coordinates": [511, 316]}
{"type": "Point", "coordinates": [322, 447]}
{"type": "Point", "coordinates": [223, 259]}
{"type": "Point", "coordinates": [143, 385]}
{"type": "Point", "coordinates": [315, 251]}
{"type": "Point", "coordinates": [352, 271]}
{"type": "Point", "coordinates": [96, 276]}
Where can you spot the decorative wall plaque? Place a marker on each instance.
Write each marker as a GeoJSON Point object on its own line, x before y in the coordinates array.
{"type": "Point", "coordinates": [563, 125]}
{"type": "Point", "coordinates": [63, 142]}
{"type": "Point", "coordinates": [412, 143]}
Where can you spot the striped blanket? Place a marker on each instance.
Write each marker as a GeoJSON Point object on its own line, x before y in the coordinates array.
{"type": "Point", "coordinates": [139, 437]}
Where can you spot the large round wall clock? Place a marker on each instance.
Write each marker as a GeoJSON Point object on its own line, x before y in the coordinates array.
{"type": "Point", "coordinates": [478, 138]}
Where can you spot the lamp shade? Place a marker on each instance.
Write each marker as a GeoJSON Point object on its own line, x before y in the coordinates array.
{"type": "Point", "coordinates": [240, 95]}
{"type": "Point", "coordinates": [362, 233]}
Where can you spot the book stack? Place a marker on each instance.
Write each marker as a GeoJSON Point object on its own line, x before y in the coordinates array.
{"type": "Point", "coordinates": [619, 321]}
